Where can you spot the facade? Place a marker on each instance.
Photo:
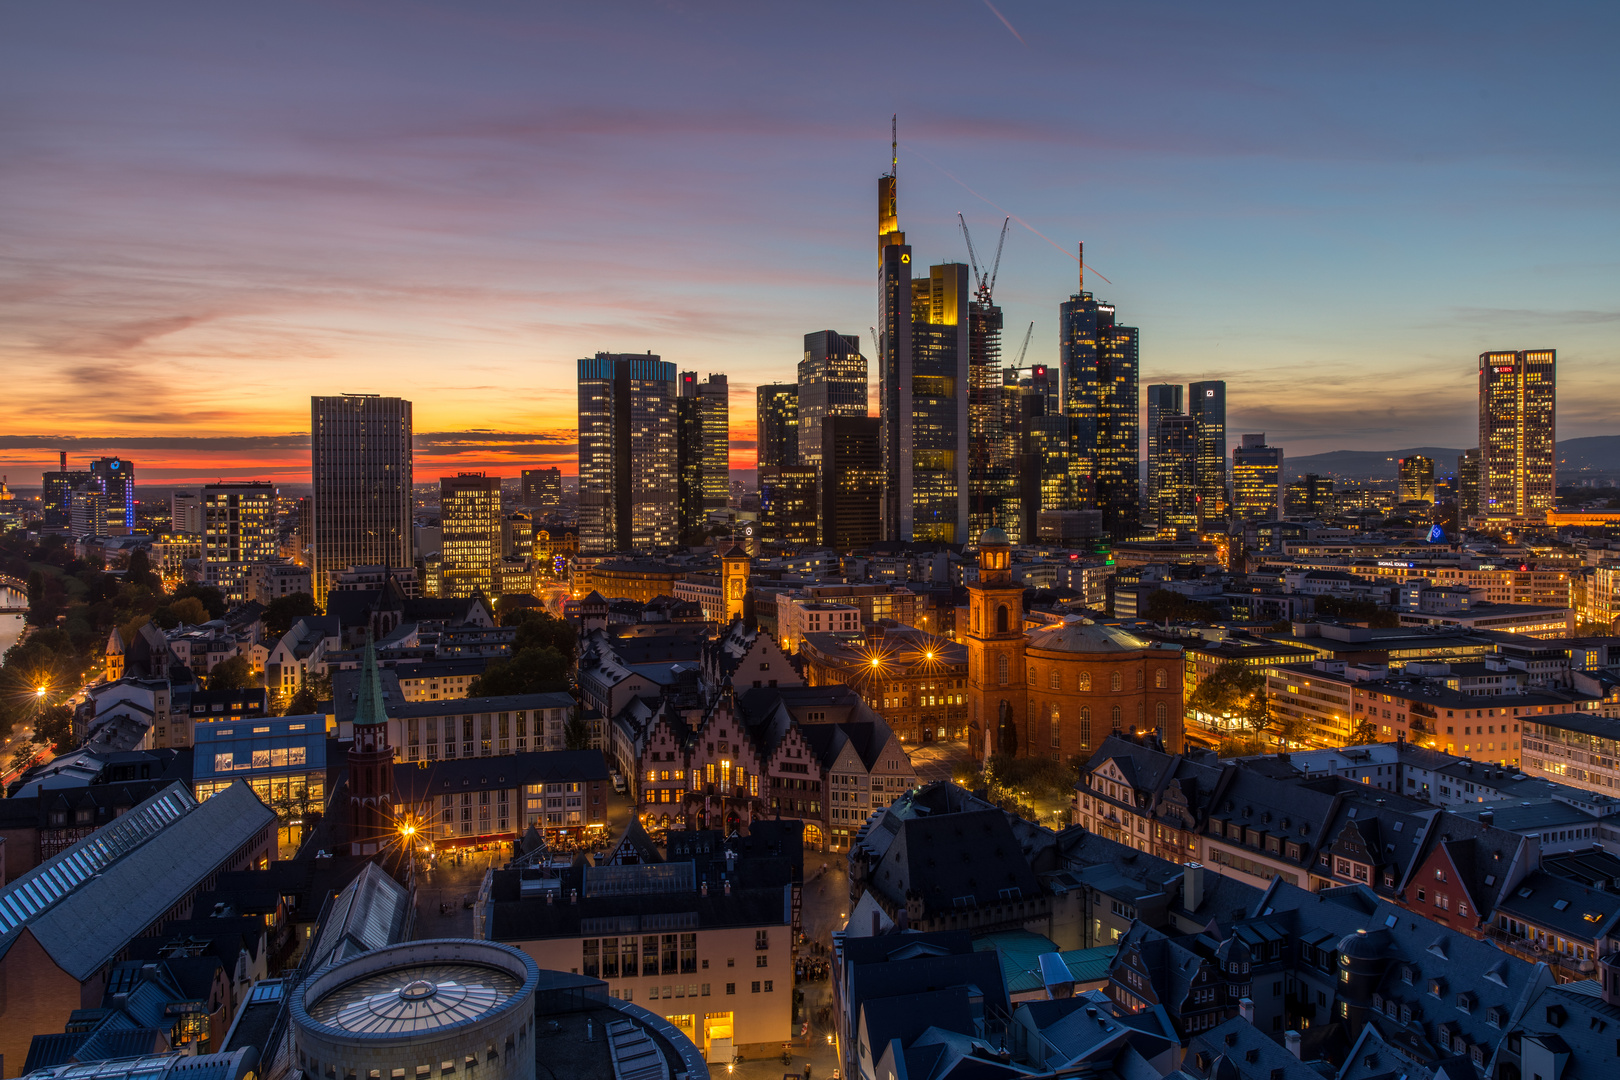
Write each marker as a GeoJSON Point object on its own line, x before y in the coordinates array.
{"type": "Point", "coordinates": [185, 513]}
{"type": "Point", "coordinates": [471, 531]}
{"type": "Point", "coordinates": [914, 680]}
{"type": "Point", "coordinates": [282, 758]}
{"type": "Point", "coordinates": [541, 488]}
{"type": "Point", "coordinates": [1206, 403]}
{"type": "Point", "coordinates": [832, 382]}
{"type": "Point", "coordinates": [776, 423]}
{"type": "Point", "coordinates": [1257, 471]}
{"type": "Point", "coordinates": [923, 353]}
{"type": "Point", "coordinates": [1415, 476]}
{"type": "Point", "coordinates": [1178, 504]}
{"type": "Point", "coordinates": [1060, 689]}
{"type": "Point", "coordinates": [788, 503]}
{"type": "Point", "coordinates": [1098, 367]}
{"type": "Point", "coordinates": [1468, 486]}
{"type": "Point", "coordinates": [269, 581]}
{"type": "Point", "coordinates": [239, 534]}
{"type": "Point", "coordinates": [361, 473]}
{"type": "Point", "coordinates": [115, 478]}
{"type": "Point", "coordinates": [990, 477]}
{"type": "Point", "coordinates": [703, 448]}
{"type": "Point", "coordinates": [707, 949]}
{"type": "Point", "coordinates": [57, 494]}
{"type": "Point", "coordinates": [1517, 433]}
{"type": "Point", "coordinates": [456, 727]}
{"type": "Point", "coordinates": [1163, 400]}
{"type": "Point", "coordinates": [465, 1006]}
{"type": "Point", "coordinates": [629, 459]}
{"type": "Point", "coordinates": [850, 494]}
{"type": "Point", "coordinates": [468, 801]}
{"type": "Point", "coordinates": [1575, 749]}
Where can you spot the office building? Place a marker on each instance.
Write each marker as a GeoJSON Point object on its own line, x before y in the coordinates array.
{"type": "Point", "coordinates": [58, 488]}
{"type": "Point", "coordinates": [850, 497]}
{"type": "Point", "coordinates": [1257, 480]}
{"type": "Point", "coordinates": [776, 427]}
{"type": "Point", "coordinates": [185, 513]}
{"type": "Point", "coordinates": [628, 454]}
{"type": "Point", "coordinates": [360, 471]}
{"type": "Point", "coordinates": [923, 353]}
{"type": "Point", "coordinates": [470, 533]}
{"type": "Point", "coordinates": [1177, 501]}
{"type": "Point", "coordinates": [1310, 496]}
{"type": "Point", "coordinates": [116, 478]}
{"type": "Point", "coordinates": [1206, 403]}
{"type": "Point", "coordinates": [989, 471]}
{"type": "Point", "coordinates": [1163, 400]}
{"type": "Point", "coordinates": [1517, 433]}
{"type": "Point", "coordinates": [1416, 478]}
{"type": "Point", "coordinates": [87, 510]}
{"type": "Point", "coordinates": [1098, 370]}
{"type": "Point", "coordinates": [788, 505]}
{"type": "Point", "coordinates": [239, 533]}
{"type": "Point", "coordinates": [1468, 485]}
{"type": "Point", "coordinates": [517, 537]}
{"type": "Point", "coordinates": [541, 488]}
{"type": "Point", "coordinates": [832, 382]}
{"type": "Point", "coordinates": [714, 443]}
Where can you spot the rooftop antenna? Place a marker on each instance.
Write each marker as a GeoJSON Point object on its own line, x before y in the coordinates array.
{"type": "Point", "coordinates": [894, 145]}
{"type": "Point", "coordinates": [1082, 267]}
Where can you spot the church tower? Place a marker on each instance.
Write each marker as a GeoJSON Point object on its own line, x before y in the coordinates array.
{"type": "Point", "coordinates": [734, 567]}
{"type": "Point", "coordinates": [371, 766]}
{"type": "Point", "coordinates": [995, 644]}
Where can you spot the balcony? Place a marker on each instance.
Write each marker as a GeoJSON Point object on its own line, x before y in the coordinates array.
{"type": "Point", "coordinates": [1565, 967]}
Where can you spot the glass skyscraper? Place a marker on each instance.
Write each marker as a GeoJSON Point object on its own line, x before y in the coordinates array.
{"type": "Point", "coordinates": [1257, 480]}
{"type": "Point", "coordinates": [360, 473]}
{"type": "Point", "coordinates": [832, 382]}
{"type": "Point", "coordinates": [1163, 400]}
{"type": "Point", "coordinates": [628, 453]}
{"type": "Point", "coordinates": [776, 427]}
{"type": "Point", "coordinates": [1099, 364]}
{"type": "Point", "coordinates": [1206, 403]}
{"type": "Point", "coordinates": [1517, 433]}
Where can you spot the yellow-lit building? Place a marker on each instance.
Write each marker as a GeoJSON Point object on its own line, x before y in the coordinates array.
{"type": "Point", "coordinates": [1518, 462]}
{"type": "Point", "coordinates": [239, 531]}
{"type": "Point", "coordinates": [470, 520]}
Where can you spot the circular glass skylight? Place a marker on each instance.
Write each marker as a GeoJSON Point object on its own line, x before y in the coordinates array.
{"type": "Point", "coordinates": [416, 998]}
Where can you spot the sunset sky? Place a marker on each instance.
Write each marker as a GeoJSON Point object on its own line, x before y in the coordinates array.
{"type": "Point", "coordinates": [209, 212]}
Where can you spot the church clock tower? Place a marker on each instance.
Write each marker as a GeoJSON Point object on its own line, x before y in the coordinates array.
{"type": "Point", "coordinates": [995, 644]}
{"type": "Point", "coordinates": [734, 567]}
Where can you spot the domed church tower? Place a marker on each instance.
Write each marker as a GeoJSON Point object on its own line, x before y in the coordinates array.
{"type": "Point", "coordinates": [995, 644]}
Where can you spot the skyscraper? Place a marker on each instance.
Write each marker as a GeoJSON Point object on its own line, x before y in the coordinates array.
{"type": "Point", "coordinates": [58, 494]}
{"type": "Point", "coordinates": [116, 478]}
{"type": "Point", "coordinates": [850, 492]}
{"type": "Point", "coordinates": [1163, 399]}
{"type": "Point", "coordinates": [360, 474]}
{"type": "Point", "coordinates": [541, 488]}
{"type": "Point", "coordinates": [1206, 403]}
{"type": "Point", "coordinates": [832, 382]}
{"type": "Point", "coordinates": [788, 506]}
{"type": "Point", "coordinates": [470, 531]}
{"type": "Point", "coordinates": [1177, 498]}
{"type": "Point", "coordinates": [239, 532]}
{"type": "Point", "coordinates": [989, 473]}
{"type": "Point", "coordinates": [1257, 480]}
{"type": "Point", "coordinates": [1467, 485]}
{"type": "Point", "coordinates": [776, 426]}
{"type": "Point", "coordinates": [714, 436]}
{"type": "Point", "coordinates": [1098, 365]}
{"type": "Point", "coordinates": [1416, 477]}
{"type": "Point", "coordinates": [1517, 433]}
{"type": "Point", "coordinates": [923, 353]}
{"type": "Point", "coordinates": [628, 453]}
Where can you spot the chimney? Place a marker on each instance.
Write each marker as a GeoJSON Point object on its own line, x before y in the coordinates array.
{"type": "Point", "coordinates": [1291, 1042]}
{"type": "Point", "coordinates": [703, 889]}
{"type": "Point", "coordinates": [64, 461]}
{"type": "Point", "coordinates": [573, 896]}
{"type": "Point", "coordinates": [1246, 1009]}
{"type": "Point", "coordinates": [1487, 817]}
{"type": "Point", "coordinates": [728, 888]}
{"type": "Point", "coordinates": [1192, 886]}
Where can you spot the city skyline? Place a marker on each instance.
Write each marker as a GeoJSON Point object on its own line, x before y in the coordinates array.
{"type": "Point", "coordinates": [469, 255]}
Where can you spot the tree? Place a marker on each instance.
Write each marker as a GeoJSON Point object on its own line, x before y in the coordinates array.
{"type": "Point", "coordinates": [187, 609]}
{"type": "Point", "coordinates": [1234, 692]}
{"type": "Point", "coordinates": [140, 571]}
{"type": "Point", "coordinates": [577, 733]}
{"type": "Point", "coordinates": [1032, 786]}
{"type": "Point", "coordinates": [233, 674]}
{"type": "Point", "coordinates": [212, 600]}
{"type": "Point", "coordinates": [536, 628]}
{"type": "Point", "coordinates": [534, 670]}
{"type": "Point", "coordinates": [1240, 747]}
{"type": "Point", "coordinates": [54, 728]}
{"type": "Point", "coordinates": [309, 695]}
{"type": "Point", "coordinates": [283, 611]}
{"type": "Point", "coordinates": [1363, 733]}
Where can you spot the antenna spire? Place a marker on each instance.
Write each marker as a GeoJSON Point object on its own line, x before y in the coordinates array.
{"type": "Point", "coordinates": [894, 145]}
{"type": "Point", "coordinates": [1082, 266]}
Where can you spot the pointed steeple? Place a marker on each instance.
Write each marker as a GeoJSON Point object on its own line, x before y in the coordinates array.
{"type": "Point", "coordinates": [371, 708]}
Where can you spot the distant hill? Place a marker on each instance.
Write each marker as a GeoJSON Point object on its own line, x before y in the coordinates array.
{"type": "Point", "coordinates": [1597, 454]}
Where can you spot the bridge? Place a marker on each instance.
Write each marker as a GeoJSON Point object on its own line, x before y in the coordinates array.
{"type": "Point", "coordinates": [16, 585]}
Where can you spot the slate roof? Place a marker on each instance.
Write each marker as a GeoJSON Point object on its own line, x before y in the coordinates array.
{"type": "Point", "coordinates": [1564, 906]}
{"type": "Point", "coordinates": [95, 919]}
{"type": "Point", "coordinates": [1251, 1051]}
{"type": "Point", "coordinates": [969, 858]}
{"type": "Point", "coordinates": [1576, 1015]}
{"type": "Point", "coordinates": [415, 783]}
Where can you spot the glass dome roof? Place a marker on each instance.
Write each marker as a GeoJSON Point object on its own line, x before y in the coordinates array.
{"type": "Point", "coordinates": [419, 997]}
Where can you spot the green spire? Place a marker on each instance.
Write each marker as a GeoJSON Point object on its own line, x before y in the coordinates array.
{"type": "Point", "coordinates": [370, 709]}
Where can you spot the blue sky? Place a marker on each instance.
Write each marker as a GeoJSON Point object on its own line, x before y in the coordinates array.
{"type": "Point", "coordinates": [210, 212]}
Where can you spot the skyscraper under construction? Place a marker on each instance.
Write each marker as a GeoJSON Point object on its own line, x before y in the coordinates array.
{"type": "Point", "coordinates": [923, 353]}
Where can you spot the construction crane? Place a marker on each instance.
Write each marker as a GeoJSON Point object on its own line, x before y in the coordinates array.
{"type": "Point", "coordinates": [1027, 335]}
{"type": "Point", "coordinates": [877, 349]}
{"type": "Point", "coordinates": [984, 284]}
